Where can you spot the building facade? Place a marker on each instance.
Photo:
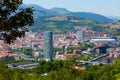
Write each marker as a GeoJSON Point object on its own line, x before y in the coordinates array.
{"type": "Point", "coordinates": [48, 45]}
{"type": "Point", "coordinates": [80, 35]}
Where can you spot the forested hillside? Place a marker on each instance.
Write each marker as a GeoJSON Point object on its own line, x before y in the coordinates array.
{"type": "Point", "coordinates": [61, 20]}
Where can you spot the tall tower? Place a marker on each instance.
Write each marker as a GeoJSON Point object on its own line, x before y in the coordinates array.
{"type": "Point", "coordinates": [48, 45]}
{"type": "Point", "coordinates": [80, 35]}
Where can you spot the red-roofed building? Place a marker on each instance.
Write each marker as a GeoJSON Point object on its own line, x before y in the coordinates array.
{"type": "Point", "coordinates": [100, 49]}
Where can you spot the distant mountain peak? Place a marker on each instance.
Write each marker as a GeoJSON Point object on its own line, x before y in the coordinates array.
{"type": "Point", "coordinates": [60, 9]}
{"type": "Point", "coordinates": [39, 11]}
{"type": "Point", "coordinates": [35, 7]}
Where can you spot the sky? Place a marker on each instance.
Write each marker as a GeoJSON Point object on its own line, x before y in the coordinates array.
{"type": "Point", "coordinates": [103, 7]}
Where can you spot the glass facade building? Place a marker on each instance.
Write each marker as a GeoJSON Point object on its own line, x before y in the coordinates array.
{"type": "Point", "coordinates": [80, 35]}
{"type": "Point", "coordinates": [48, 45]}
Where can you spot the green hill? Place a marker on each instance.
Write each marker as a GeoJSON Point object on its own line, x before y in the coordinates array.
{"type": "Point", "coordinates": [62, 20]}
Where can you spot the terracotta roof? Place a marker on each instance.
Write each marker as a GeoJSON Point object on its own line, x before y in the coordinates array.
{"type": "Point", "coordinates": [3, 54]}
{"type": "Point", "coordinates": [95, 47]}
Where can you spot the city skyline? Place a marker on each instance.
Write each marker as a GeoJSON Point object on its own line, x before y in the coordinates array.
{"type": "Point", "coordinates": [103, 7]}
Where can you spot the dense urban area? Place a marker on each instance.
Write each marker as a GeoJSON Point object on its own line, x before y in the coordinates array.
{"type": "Point", "coordinates": [81, 55]}
{"type": "Point", "coordinates": [58, 45]}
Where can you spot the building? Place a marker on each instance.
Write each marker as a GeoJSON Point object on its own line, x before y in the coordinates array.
{"type": "Point", "coordinates": [77, 52]}
{"type": "Point", "coordinates": [23, 65]}
{"type": "Point", "coordinates": [48, 45]}
{"type": "Point", "coordinates": [6, 56]}
{"type": "Point", "coordinates": [80, 35]}
{"type": "Point", "coordinates": [100, 49]}
{"type": "Point", "coordinates": [55, 37]}
{"type": "Point", "coordinates": [104, 41]}
{"type": "Point", "coordinates": [59, 56]}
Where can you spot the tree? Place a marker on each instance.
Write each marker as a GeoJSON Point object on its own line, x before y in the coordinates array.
{"type": "Point", "coordinates": [14, 21]}
{"type": "Point", "coordinates": [119, 21]}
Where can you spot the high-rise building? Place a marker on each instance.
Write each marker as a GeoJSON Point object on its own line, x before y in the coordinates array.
{"type": "Point", "coordinates": [80, 35]}
{"type": "Point", "coordinates": [48, 45]}
{"type": "Point", "coordinates": [55, 37]}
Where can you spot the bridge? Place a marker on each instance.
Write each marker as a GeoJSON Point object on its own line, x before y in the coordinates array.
{"type": "Point", "coordinates": [99, 57]}
{"type": "Point", "coordinates": [93, 60]}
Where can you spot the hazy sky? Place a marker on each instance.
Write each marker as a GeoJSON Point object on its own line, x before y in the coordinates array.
{"type": "Point", "coordinates": [104, 7]}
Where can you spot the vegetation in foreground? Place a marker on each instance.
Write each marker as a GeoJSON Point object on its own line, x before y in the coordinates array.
{"type": "Point", "coordinates": [14, 21]}
{"type": "Point", "coordinates": [62, 70]}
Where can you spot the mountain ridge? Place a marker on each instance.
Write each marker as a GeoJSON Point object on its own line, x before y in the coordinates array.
{"type": "Point", "coordinates": [40, 11]}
